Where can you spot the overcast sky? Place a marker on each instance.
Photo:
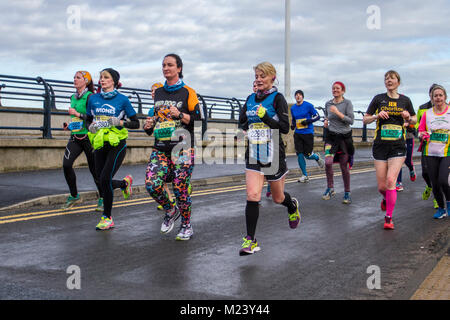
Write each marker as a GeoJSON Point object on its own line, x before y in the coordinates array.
{"type": "Point", "coordinates": [220, 42]}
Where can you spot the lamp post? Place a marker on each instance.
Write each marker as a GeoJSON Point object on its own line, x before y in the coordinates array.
{"type": "Point", "coordinates": [287, 50]}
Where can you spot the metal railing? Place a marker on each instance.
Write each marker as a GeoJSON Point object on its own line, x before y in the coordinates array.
{"type": "Point", "coordinates": [48, 97]}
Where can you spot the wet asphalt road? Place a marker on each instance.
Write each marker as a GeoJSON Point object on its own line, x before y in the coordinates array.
{"type": "Point", "coordinates": [327, 257]}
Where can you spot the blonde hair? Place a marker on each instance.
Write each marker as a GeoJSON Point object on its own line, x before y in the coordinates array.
{"type": "Point", "coordinates": [267, 68]}
{"type": "Point", "coordinates": [436, 87]}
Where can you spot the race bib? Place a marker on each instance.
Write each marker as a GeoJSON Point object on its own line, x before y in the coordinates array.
{"type": "Point", "coordinates": [299, 124]}
{"type": "Point", "coordinates": [164, 130]}
{"type": "Point", "coordinates": [439, 136]}
{"type": "Point", "coordinates": [391, 132]}
{"type": "Point", "coordinates": [76, 124]}
{"type": "Point", "coordinates": [259, 133]}
{"type": "Point", "coordinates": [102, 122]}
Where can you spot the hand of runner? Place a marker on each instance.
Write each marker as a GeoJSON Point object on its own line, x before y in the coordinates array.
{"type": "Point", "coordinates": [149, 123]}
{"type": "Point", "coordinates": [174, 112]}
{"type": "Point", "coordinates": [383, 115]}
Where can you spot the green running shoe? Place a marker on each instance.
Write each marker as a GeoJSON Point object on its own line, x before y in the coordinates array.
{"type": "Point", "coordinates": [127, 191]}
{"type": "Point", "coordinates": [100, 206]}
{"type": "Point", "coordinates": [295, 218]}
{"type": "Point", "coordinates": [105, 223]}
{"type": "Point", "coordinates": [71, 201]}
{"type": "Point", "coordinates": [426, 193]}
{"type": "Point", "coordinates": [435, 204]}
{"type": "Point", "coordinates": [249, 246]}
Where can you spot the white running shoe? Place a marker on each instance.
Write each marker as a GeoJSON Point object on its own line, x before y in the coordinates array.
{"type": "Point", "coordinates": [185, 232]}
{"type": "Point", "coordinates": [303, 179]}
{"type": "Point", "coordinates": [169, 221]}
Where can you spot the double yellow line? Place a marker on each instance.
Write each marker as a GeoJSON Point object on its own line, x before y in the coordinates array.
{"type": "Point", "coordinates": [125, 203]}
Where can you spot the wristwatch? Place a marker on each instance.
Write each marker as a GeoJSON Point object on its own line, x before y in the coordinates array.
{"type": "Point", "coordinates": [181, 116]}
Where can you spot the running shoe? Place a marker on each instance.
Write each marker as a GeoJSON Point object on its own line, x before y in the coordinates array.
{"type": "Point", "coordinates": [169, 221]}
{"type": "Point", "coordinates": [100, 206]}
{"type": "Point", "coordinates": [440, 213]}
{"type": "Point", "coordinates": [249, 246]}
{"type": "Point", "coordinates": [321, 162]}
{"type": "Point", "coordinates": [295, 218]}
{"type": "Point", "coordinates": [71, 201]}
{"type": "Point", "coordinates": [128, 190]}
{"type": "Point", "coordinates": [388, 223]}
{"type": "Point", "coordinates": [105, 223]}
{"type": "Point", "coordinates": [412, 174]}
{"type": "Point", "coordinates": [303, 179]}
{"type": "Point", "coordinates": [426, 193]}
{"type": "Point", "coordinates": [185, 232]}
{"type": "Point", "coordinates": [347, 199]}
{"type": "Point", "coordinates": [399, 187]}
{"type": "Point", "coordinates": [328, 194]}
{"type": "Point", "coordinates": [435, 204]}
{"type": "Point", "coordinates": [383, 205]}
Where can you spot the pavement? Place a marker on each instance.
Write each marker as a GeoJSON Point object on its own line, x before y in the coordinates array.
{"type": "Point", "coordinates": [48, 189]}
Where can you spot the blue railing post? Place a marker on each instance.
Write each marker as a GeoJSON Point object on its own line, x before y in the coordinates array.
{"type": "Point", "coordinates": [46, 128]}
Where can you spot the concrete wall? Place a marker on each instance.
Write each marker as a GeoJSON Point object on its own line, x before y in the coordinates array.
{"type": "Point", "coordinates": [26, 150]}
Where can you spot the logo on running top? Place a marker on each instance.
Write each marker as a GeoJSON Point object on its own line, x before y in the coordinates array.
{"type": "Point", "coordinates": [106, 109]}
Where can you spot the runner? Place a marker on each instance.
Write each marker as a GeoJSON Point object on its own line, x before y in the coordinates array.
{"type": "Point", "coordinates": [151, 113]}
{"type": "Point", "coordinates": [338, 140]}
{"type": "Point", "coordinates": [265, 116]}
{"type": "Point", "coordinates": [410, 134]}
{"type": "Point", "coordinates": [172, 157]}
{"type": "Point", "coordinates": [303, 116]}
{"type": "Point", "coordinates": [112, 114]}
{"type": "Point", "coordinates": [427, 192]}
{"type": "Point", "coordinates": [434, 128]}
{"type": "Point", "coordinates": [391, 110]}
{"type": "Point", "coordinates": [79, 140]}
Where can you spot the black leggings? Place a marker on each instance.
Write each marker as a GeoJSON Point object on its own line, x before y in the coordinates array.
{"type": "Point", "coordinates": [438, 171]}
{"type": "Point", "coordinates": [74, 147]}
{"type": "Point", "coordinates": [107, 161]}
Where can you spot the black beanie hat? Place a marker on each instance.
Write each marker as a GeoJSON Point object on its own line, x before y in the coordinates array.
{"type": "Point", "coordinates": [114, 74]}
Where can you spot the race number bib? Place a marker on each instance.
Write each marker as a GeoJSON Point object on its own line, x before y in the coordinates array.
{"type": "Point", "coordinates": [391, 132]}
{"type": "Point", "coordinates": [299, 124]}
{"type": "Point", "coordinates": [259, 133]}
{"type": "Point", "coordinates": [164, 130]}
{"type": "Point", "coordinates": [439, 136]}
{"type": "Point", "coordinates": [76, 124]}
{"type": "Point", "coordinates": [102, 122]}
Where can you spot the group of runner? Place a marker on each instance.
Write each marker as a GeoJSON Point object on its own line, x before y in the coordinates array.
{"type": "Point", "coordinates": [99, 125]}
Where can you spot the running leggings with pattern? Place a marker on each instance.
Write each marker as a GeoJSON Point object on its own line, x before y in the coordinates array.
{"type": "Point", "coordinates": [161, 169]}
{"type": "Point", "coordinates": [107, 161]}
{"type": "Point", "coordinates": [438, 171]}
{"type": "Point", "coordinates": [75, 146]}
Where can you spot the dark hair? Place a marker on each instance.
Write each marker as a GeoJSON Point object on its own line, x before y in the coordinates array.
{"type": "Point", "coordinates": [432, 87]}
{"type": "Point", "coordinates": [179, 62]}
{"type": "Point", "coordinates": [299, 91]}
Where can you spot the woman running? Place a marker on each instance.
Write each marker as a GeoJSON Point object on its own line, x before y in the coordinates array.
{"type": "Point", "coordinates": [172, 157]}
{"type": "Point", "coordinates": [303, 116]}
{"type": "Point", "coordinates": [151, 113]}
{"type": "Point", "coordinates": [265, 116]}
{"type": "Point", "coordinates": [112, 114]}
{"type": "Point", "coordinates": [392, 111]}
{"type": "Point", "coordinates": [79, 140]}
{"type": "Point", "coordinates": [434, 128]}
{"type": "Point", "coordinates": [338, 140]}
